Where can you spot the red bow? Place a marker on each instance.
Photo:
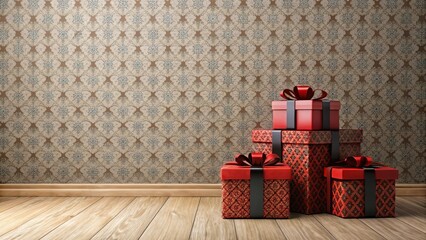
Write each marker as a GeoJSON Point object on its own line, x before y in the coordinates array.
{"type": "Point", "coordinates": [302, 93]}
{"type": "Point", "coordinates": [257, 159]}
{"type": "Point", "coordinates": [358, 161]}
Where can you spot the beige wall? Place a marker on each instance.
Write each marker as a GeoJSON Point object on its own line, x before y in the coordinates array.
{"type": "Point", "coordinates": [166, 91]}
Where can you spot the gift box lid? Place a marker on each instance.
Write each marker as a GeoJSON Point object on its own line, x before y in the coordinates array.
{"type": "Point", "coordinates": [305, 104]}
{"type": "Point", "coordinates": [307, 137]}
{"type": "Point", "coordinates": [345, 173]}
{"type": "Point", "coordinates": [232, 171]}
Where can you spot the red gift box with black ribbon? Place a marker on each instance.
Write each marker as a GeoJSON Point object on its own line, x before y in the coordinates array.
{"type": "Point", "coordinates": [307, 153]}
{"type": "Point", "coordinates": [256, 186]}
{"type": "Point", "coordinates": [361, 188]}
{"type": "Point", "coordinates": [301, 111]}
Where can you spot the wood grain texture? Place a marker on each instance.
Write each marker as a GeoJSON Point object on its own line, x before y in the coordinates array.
{"type": "Point", "coordinates": [12, 202]}
{"type": "Point", "coordinates": [58, 214]}
{"type": "Point", "coordinates": [393, 228]}
{"type": "Point", "coordinates": [303, 227]}
{"type": "Point", "coordinates": [189, 218]}
{"type": "Point", "coordinates": [347, 228]}
{"type": "Point", "coordinates": [410, 205]}
{"type": "Point", "coordinates": [133, 220]}
{"type": "Point", "coordinates": [16, 216]}
{"type": "Point", "coordinates": [86, 224]}
{"type": "Point", "coordinates": [410, 189]}
{"type": "Point", "coordinates": [411, 213]}
{"type": "Point", "coordinates": [109, 190]}
{"type": "Point", "coordinates": [5, 199]}
{"type": "Point", "coordinates": [258, 229]}
{"type": "Point", "coordinates": [209, 223]}
{"type": "Point", "coordinates": [143, 190]}
{"type": "Point", "coordinates": [420, 201]}
{"type": "Point", "coordinates": [174, 220]}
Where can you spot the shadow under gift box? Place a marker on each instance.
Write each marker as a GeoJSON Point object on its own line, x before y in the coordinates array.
{"type": "Point", "coordinates": [236, 191]}
{"type": "Point", "coordinates": [307, 153]}
{"type": "Point", "coordinates": [348, 198]}
{"type": "Point", "coordinates": [305, 114]}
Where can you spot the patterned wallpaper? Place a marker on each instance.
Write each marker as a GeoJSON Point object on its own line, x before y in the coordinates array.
{"type": "Point", "coordinates": [105, 91]}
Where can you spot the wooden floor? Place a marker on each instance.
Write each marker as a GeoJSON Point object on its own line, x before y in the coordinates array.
{"type": "Point", "coordinates": [188, 218]}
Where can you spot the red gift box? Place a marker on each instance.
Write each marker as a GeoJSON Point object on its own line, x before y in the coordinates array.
{"type": "Point", "coordinates": [307, 153]}
{"type": "Point", "coordinates": [348, 193]}
{"type": "Point", "coordinates": [236, 191]}
{"type": "Point", "coordinates": [307, 115]}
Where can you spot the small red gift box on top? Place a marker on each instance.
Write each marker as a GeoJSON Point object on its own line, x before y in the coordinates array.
{"type": "Point", "coordinates": [301, 112]}
{"type": "Point", "coordinates": [308, 115]}
{"type": "Point", "coordinates": [361, 192]}
{"type": "Point", "coordinates": [307, 153]}
{"type": "Point", "coordinates": [255, 192]}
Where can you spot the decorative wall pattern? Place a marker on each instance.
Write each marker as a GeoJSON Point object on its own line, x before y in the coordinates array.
{"type": "Point", "coordinates": [103, 91]}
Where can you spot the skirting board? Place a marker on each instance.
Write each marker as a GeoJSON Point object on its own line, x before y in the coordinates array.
{"type": "Point", "coordinates": [109, 190]}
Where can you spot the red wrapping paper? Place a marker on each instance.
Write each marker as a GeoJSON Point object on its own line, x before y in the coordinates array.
{"type": "Point", "coordinates": [308, 114]}
{"type": "Point", "coordinates": [307, 153]}
{"type": "Point", "coordinates": [236, 191]}
{"type": "Point", "coordinates": [347, 191]}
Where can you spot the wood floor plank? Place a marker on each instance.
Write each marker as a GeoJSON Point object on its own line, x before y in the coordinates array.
{"type": "Point", "coordinates": [86, 224]}
{"type": "Point", "coordinates": [209, 223]}
{"type": "Point", "coordinates": [411, 214]}
{"type": "Point", "coordinates": [258, 229]}
{"type": "Point", "coordinates": [174, 220]}
{"type": "Point", "coordinates": [51, 218]}
{"type": "Point", "coordinates": [7, 204]}
{"type": "Point", "coordinates": [133, 220]}
{"type": "Point", "coordinates": [347, 228]}
{"type": "Point", "coordinates": [421, 201]}
{"type": "Point", "coordinates": [188, 217]}
{"type": "Point", "coordinates": [302, 226]}
{"type": "Point", "coordinates": [393, 228]}
{"type": "Point", "coordinates": [4, 199]}
{"type": "Point", "coordinates": [410, 204]}
{"type": "Point", "coordinates": [16, 216]}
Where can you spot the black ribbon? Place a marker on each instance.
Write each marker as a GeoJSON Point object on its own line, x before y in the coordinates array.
{"type": "Point", "coordinates": [370, 191]}
{"type": "Point", "coordinates": [291, 115]}
{"type": "Point", "coordinates": [326, 114]}
{"type": "Point", "coordinates": [277, 146]}
{"type": "Point", "coordinates": [335, 146]}
{"type": "Point", "coordinates": [256, 192]}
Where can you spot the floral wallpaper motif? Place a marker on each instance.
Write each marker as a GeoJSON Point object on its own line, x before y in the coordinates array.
{"type": "Point", "coordinates": [105, 91]}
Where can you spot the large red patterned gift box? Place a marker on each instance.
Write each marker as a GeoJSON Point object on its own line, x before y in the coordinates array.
{"type": "Point", "coordinates": [301, 111]}
{"type": "Point", "coordinates": [250, 192]}
{"type": "Point", "coordinates": [307, 153]}
{"type": "Point", "coordinates": [361, 192]}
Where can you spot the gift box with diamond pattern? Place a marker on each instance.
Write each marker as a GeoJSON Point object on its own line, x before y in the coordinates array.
{"type": "Point", "coordinates": [307, 153]}
{"type": "Point", "coordinates": [347, 192]}
{"type": "Point", "coordinates": [236, 191]}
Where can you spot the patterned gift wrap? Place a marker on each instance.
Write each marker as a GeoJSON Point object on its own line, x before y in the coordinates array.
{"type": "Point", "coordinates": [236, 191]}
{"type": "Point", "coordinates": [307, 153]}
{"type": "Point", "coordinates": [347, 196]}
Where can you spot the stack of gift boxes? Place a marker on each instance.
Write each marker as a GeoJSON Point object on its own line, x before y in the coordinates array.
{"type": "Point", "coordinates": [322, 169]}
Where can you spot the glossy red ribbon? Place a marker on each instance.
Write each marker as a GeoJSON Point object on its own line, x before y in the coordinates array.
{"type": "Point", "coordinates": [257, 159]}
{"type": "Point", "coordinates": [357, 161]}
{"type": "Point", "coordinates": [302, 93]}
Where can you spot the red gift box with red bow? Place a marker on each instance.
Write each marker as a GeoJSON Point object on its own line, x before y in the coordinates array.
{"type": "Point", "coordinates": [256, 191]}
{"type": "Point", "coordinates": [301, 111]}
{"type": "Point", "coordinates": [307, 153]}
{"type": "Point", "coordinates": [367, 190]}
